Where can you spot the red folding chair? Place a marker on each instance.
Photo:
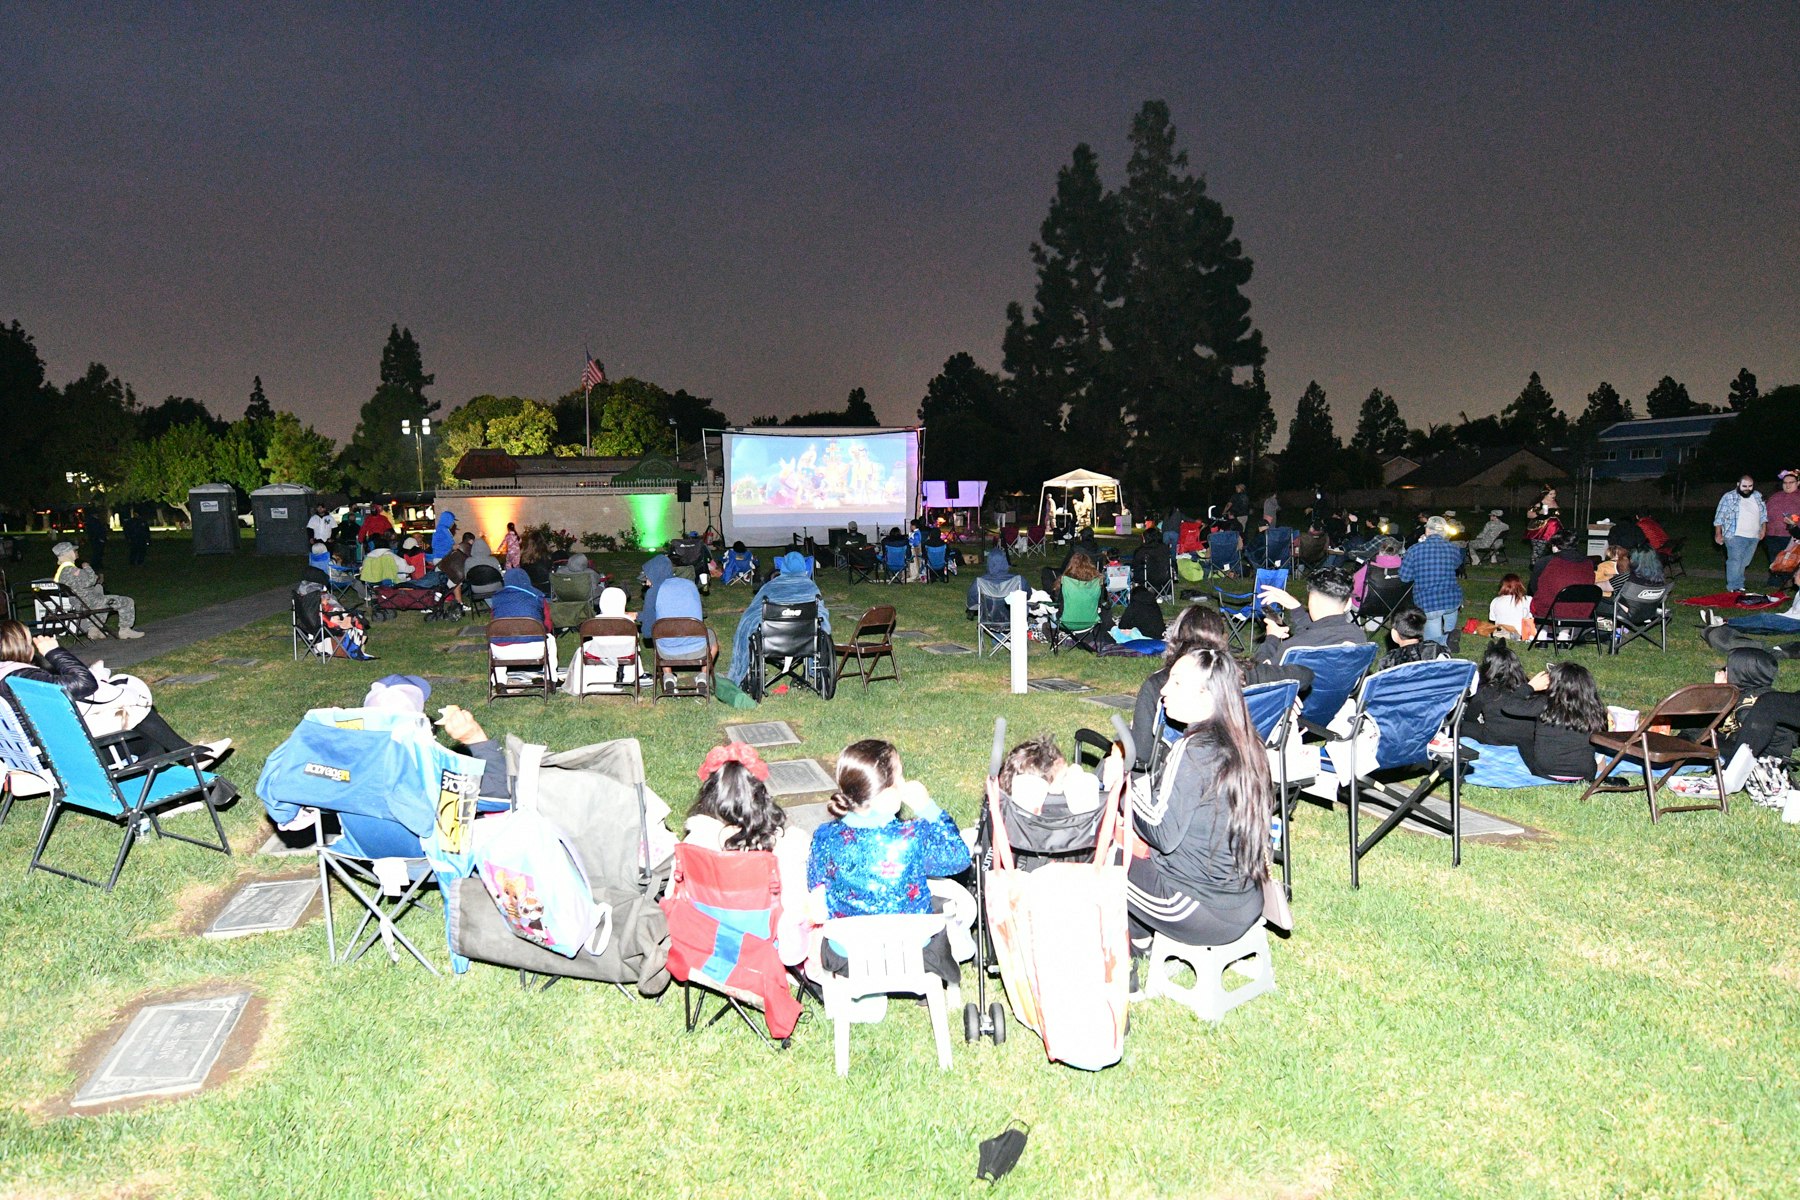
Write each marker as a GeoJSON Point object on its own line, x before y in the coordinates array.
{"type": "Point", "coordinates": [723, 910]}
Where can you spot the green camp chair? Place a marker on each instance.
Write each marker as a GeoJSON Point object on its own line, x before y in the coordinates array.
{"type": "Point", "coordinates": [1080, 612]}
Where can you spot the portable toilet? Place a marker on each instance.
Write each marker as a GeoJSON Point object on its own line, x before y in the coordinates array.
{"type": "Point", "coordinates": [213, 507]}
{"type": "Point", "coordinates": [280, 511]}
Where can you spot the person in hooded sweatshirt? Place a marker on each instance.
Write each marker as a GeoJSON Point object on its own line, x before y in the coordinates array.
{"type": "Point", "coordinates": [999, 570]}
{"type": "Point", "coordinates": [443, 538]}
{"type": "Point", "coordinates": [656, 572]}
{"type": "Point", "coordinates": [790, 585]}
{"type": "Point", "coordinates": [517, 598]}
{"type": "Point", "coordinates": [1765, 720]}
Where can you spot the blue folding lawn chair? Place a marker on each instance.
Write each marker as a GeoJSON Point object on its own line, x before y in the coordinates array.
{"type": "Point", "coordinates": [1271, 708]}
{"type": "Point", "coordinates": [1243, 609]}
{"type": "Point", "coordinates": [893, 561]}
{"type": "Point", "coordinates": [1225, 553]}
{"type": "Point", "coordinates": [130, 794]}
{"type": "Point", "coordinates": [22, 770]}
{"type": "Point", "coordinates": [1278, 548]}
{"type": "Point", "coordinates": [1408, 706]}
{"type": "Point", "coordinates": [937, 563]}
{"type": "Point", "coordinates": [1337, 670]}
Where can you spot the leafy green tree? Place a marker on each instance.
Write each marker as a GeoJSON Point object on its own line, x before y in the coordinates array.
{"type": "Point", "coordinates": [1312, 447]}
{"type": "Point", "coordinates": [1669, 399]}
{"type": "Point", "coordinates": [1743, 390]}
{"type": "Point", "coordinates": [969, 434]}
{"type": "Point", "coordinates": [1532, 418]}
{"type": "Point", "coordinates": [236, 458]}
{"type": "Point", "coordinates": [510, 423]}
{"type": "Point", "coordinates": [28, 412]}
{"type": "Point", "coordinates": [165, 467]}
{"type": "Point", "coordinates": [633, 420]}
{"type": "Point", "coordinates": [378, 458]}
{"type": "Point", "coordinates": [297, 453]}
{"type": "Point", "coordinates": [1379, 429]}
{"type": "Point", "coordinates": [1605, 407]}
{"type": "Point", "coordinates": [694, 415]}
{"type": "Point", "coordinates": [259, 408]}
{"type": "Point", "coordinates": [157, 419]}
{"type": "Point", "coordinates": [96, 423]}
{"type": "Point", "coordinates": [1183, 329]}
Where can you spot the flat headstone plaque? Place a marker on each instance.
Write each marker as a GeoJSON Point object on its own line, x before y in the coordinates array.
{"type": "Point", "coordinates": [235, 661]}
{"type": "Point", "coordinates": [472, 631]}
{"type": "Point", "coordinates": [437, 681]}
{"type": "Point", "coordinates": [763, 733]}
{"type": "Point", "coordinates": [1475, 823]}
{"type": "Point", "coordinates": [799, 777]}
{"type": "Point", "coordinates": [806, 817]}
{"type": "Point", "coordinates": [197, 677]}
{"type": "Point", "coordinates": [264, 907]}
{"type": "Point", "coordinates": [165, 1051]}
{"type": "Point", "coordinates": [1052, 683]}
{"type": "Point", "coordinates": [466, 648]}
{"type": "Point", "coordinates": [1120, 700]}
{"type": "Point", "coordinates": [910, 635]}
{"type": "Point", "coordinates": [945, 648]}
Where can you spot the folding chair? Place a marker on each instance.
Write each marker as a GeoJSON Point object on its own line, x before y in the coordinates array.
{"type": "Point", "coordinates": [528, 652]}
{"type": "Point", "coordinates": [59, 612]}
{"type": "Point", "coordinates": [607, 644]}
{"type": "Point", "coordinates": [793, 636]}
{"type": "Point", "coordinates": [480, 583]}
{"type": "Point", "coordinates": [1406, 707]}
{"type": "Point", "coordinates": [1009, 537]}
{"type": "Point", "coordinates": [1190, 568]}
{"type": "Point", "coordinates": [1243, 609]}
{"type": "Point", "coordinates": [1700, 708]}
{"type": "Point", "coordinates": [1118, 582]}
{"type": "Point", "coordinates": [1155, 570]}
{"type": "Point", "coordinates": [1271, 708]}
{"type": "Point", "coordinates": [1190, 537]}
{"type": "Point", "coordinates": [343, 582]}
{"type": "Point", "coordinates": [740, 568]}
{"type": "Point", "coordinates": [861, 564]}
{"type": "Point", "coordinates": [1080, 614]}
{"type": "Point", "coordinates": [84, 781]}
{"type": "Point", "coordinates": [1337, 672]}
{"type": "Point", "coordinates": [723, 909]}
{"type": "Point", "coordinates": [893, 561]}
{"type": "Point", "coordinates": [1575, 612]}
{"type": "Point", "coordinates": [23, 774]}
{"type": "Point", "coordinates": [993, 616]}
{"type": "Point", "coordinates": [1637, 612]}
{"type": "Point", "coordinates": [670, 667]}
{"type": "Point", "coordinates": [1034, 540]}
{"type": "Point", "coordinates": [937, 563]}
{"type": "Point", "coordinates": [1278, 549]}
{"type": "Point", "coordinates": [1225, 553]}
{"type": "Point", "coordinates": [870, 642]}
{"type": "Point", "coordinates": [1384, 594]}
{"type": "Point", "coordinates": [1671, 557]}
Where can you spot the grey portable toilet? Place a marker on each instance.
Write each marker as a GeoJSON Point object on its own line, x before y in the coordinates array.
{"type": "Point", "coordinates": [280, 511]}
{"type": "Point", "coordinates": [213, 507]}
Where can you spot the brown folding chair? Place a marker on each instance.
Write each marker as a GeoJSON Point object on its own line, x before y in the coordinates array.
{"type": "Point", "coordinates": [619, 627]}
{"type": "Point", "coordinates": [520, 658]}
{"type": "Point", "coordinates": [1700, 702]}
{"type": "Point", "coordinates": [872, 639]}
{"type": "Point", "coordinates": [698, 667]}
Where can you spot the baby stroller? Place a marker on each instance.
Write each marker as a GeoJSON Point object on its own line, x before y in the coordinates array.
{"type": "Point", "coordinates": [1080, 1013]}
{"type": "Point", "coordinates": [324, 626]}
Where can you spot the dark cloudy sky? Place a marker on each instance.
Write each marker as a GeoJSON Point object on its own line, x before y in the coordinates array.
{"type": "Point", "coordinates": [774, 205]}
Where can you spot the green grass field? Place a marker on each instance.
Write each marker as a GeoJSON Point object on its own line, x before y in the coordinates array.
{"type": "Point", "coordinates": [1611, 1010]}
{"type": "Point", "coordinates": [172, 580]}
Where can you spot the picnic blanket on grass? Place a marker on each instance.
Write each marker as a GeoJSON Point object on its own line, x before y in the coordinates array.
{"type": "Point", "coordinates": [1502, 767]}
{"type": "Point", "coordinates": [1730, 600]}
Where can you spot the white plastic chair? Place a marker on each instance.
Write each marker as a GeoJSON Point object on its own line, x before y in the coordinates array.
{"type": "Point", "coordinates": [886, 954]}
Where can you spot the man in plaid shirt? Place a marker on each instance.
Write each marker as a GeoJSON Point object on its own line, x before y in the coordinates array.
{"type": "Point", "coordinates": [1431, 566]}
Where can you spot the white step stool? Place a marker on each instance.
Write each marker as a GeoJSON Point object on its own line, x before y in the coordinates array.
{"type": "Point", "coordinates": [1209, 998]}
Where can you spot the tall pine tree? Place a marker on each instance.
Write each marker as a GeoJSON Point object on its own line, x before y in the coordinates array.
{"type": "Point", "coordinates": [1743, 390]}
{"type": "Point", "coordinates": [379, 458]}
{"type": "Point", "coordinates": [1604, 407]}
{"type": "Point", "coordinates": [1312, 447]}
{"type": "Point", "coordinates": [259, 408]}
{"type": "Point", "coordinates": [1533, 418]}
{"type": "Point", "coordinates": [1379, 429]}
{"type": "Point", "coordinates": [1669, 399]}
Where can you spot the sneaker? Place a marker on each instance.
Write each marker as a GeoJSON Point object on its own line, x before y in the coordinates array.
{"type": "Point", "coordinates": [668, 685]}
{"type": "Point", "coordinates": [126, 633]}
{"type": "Point", "coordinates": [1708, 620]}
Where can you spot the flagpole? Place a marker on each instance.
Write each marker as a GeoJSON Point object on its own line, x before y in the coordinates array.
{"type": "Point", "coordinates": [587, 416]}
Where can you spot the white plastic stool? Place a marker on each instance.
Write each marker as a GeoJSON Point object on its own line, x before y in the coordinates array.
{"type": "Point", "coordinates": [1209, 998]}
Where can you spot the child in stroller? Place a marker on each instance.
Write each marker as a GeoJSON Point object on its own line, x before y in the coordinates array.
{"type": "Point", "coordinates": [323, 625]}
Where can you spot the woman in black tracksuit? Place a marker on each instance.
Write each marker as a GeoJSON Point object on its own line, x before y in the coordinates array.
{"type": "Point", "coordinates": [1205, 814]}
{"type": "Point", "coordinates": [1765, 720]}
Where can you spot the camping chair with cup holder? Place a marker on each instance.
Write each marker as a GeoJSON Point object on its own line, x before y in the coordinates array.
{"type": "Point", "coordinates": [1337, 672]}
{"type": "Point", "coordinates": [1243, 609]}
{"type": "Point", "coordinates": [1154, 568]}
{"type": "Point", "coordinates": [1078, 620]}
{"type": "Point", "coordinates": [1670, 555]}
{"type": "Point", "coordinates": [1638, 611]}
{"type": "Point", "coordinates": [723, 910]}
{"type": "Point", "coordinates": [1698, 710]}
{"type": "Point", "coordinates": [870, 642]}
{"type": "Point", "coordinates": [862, 564]}
{"type": "Point", "coordinates": [1384, 594]}
{"type": "Point", "coordinates": [893, 561]}
{"type": "Point", "coordinates": [1225, 553]}
{"type": "Point", "coordinates": [481, 583]}
{"type": "Point", "coordinates": [993, 616]}
{"type": "Point", "coordinates": [1271, 707]}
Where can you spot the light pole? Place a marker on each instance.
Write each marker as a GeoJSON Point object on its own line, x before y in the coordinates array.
{"type": "Point", "coordinates": [418, 431]}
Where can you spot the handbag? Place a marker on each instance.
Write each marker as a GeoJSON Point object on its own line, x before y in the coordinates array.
{"type": "Point", "coordinates": [1276, 909]}
{"type": "Point", "coordinates": [1788, 561]}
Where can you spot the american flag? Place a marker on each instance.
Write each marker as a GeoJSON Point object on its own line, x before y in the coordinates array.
{"type": "Point", "coordinates": [593, 376]}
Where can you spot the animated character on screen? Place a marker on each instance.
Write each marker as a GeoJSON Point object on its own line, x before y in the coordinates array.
{"type": "Point", "coordinates": [862, 484]}
{"type": "Point", "coordinates": [835, 473]}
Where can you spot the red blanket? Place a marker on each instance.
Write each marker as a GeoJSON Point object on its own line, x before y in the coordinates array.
{"type": "Point", "coordinates": [1730, 600]}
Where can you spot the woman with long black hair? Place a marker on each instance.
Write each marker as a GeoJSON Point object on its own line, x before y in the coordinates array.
{"type": "Point", "coordinates": [1205, 815]}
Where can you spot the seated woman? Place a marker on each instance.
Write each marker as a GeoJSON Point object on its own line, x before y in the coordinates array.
{"type": "Point", "coordinates": [1765, 720]}
{"type": "Point", "coordinates": [734, 812]}
{"type": "Point", "coordinates": [1510, 611]}
{"type": "Point", "coordinates": [1078, 591]}
{"type": "Point", "coordinates": [1616, 563]}
{"type": "Point", "coordinates": [1562, 710]}
{"type": "Point", "coordinates": [1205, 815]}
{"type": "Point", "coordinates": [679, 596]}
{"type": "Point", "coordinates": [1500, 675]}
{"type": "Point", "coordinates": [865, 860]}
{"type": "Point", "coordinates": [576, 581]}
{"type": "Point", "coordinates": [147, 733]}
{"type": "Point", "coordinates": [534, 557]}
{"type": "Point", "coordinates": [1143, 614]}
{"type": "Point", "coordinates": [790, 585]}
{"type": "Point", "coordinates": [655, 572]}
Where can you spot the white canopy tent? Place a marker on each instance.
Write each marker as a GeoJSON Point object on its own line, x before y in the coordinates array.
{"type": "Point", "coordinates": [1089, 489]}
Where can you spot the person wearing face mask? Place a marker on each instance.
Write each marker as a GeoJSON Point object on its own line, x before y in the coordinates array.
{"type": "Point", "coordinates": [1738, 524]}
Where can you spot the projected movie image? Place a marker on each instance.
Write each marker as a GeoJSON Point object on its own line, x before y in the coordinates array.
{"type": "Point", "coordinates": [778, 483]}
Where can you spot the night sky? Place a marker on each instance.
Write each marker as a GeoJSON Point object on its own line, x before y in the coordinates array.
{"type": "Point", "coordinates": [773, 209]}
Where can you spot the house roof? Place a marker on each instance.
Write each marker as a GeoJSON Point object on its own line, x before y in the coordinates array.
{"type": "Point", "coordinates": [1458, 467]}
{"type": "Point", "coordinates": [1662, 428]}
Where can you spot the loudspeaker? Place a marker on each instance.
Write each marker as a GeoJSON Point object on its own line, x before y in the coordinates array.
{"type": "Point", "coordinates": [684, 492]}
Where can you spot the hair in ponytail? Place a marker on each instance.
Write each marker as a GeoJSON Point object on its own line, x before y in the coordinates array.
{"type": "Point", "coordinates": [864, 770]}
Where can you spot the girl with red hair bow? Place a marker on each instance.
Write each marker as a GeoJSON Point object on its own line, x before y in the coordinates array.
{"type": "Point", "coordinates": [734, 812]}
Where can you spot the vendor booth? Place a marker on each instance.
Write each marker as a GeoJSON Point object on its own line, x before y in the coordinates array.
{"type": "Point", "coordinates": [1079, 498]}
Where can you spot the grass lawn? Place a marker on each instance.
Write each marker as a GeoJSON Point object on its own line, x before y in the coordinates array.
{"type": "Point", "coordinates": [1611, 1010]}
{"type": "Point", "coordinates": [173, 580]}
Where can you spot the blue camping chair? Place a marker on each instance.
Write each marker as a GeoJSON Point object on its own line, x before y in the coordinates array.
{"type": "Point", "coordinates": [1278, 549]}
{"type": "Point", "coordinates": [85, 782]}
{"type": "Point", "coordinates": [1225, 553]}
{"type": "Point", "coordinates": [1337, 670]}
{"type": "Point", "coordinates": [1271, 708]}
{"type": "Point", "coordinates": [386, 802]}
{"type": "Point", "coordinates": [22, 771]}
{"type": "Point", "coordinates": [893, 561]}
{"type": "Point", "coordinates": [740, 568]}
{"type": "Point", "coordinates": [937, 563]}
{"type": "Point", "coordinates": [1408, 706]}
{"type": "Point", "coordinates": [1243, 609]}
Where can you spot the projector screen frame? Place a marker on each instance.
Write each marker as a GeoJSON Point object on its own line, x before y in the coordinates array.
{"type": "Point", "coordinates": [819, 527]}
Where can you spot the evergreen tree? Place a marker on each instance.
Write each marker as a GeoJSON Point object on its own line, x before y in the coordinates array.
{"type": "Point", "coordinates": [858, 410]}
{"type": "Point", "coordinates": [694, 415]}
{"type": "Point", "coordinates": [968, 431]}
{"type": "Point", "coordinates": [28, 412]}
{"type": "Point", "coordinates": [1758, 442]}
{"type": "Point", "coordinates": [297, 453]}
{"type": "Point", "coordinates": [1604, 407]}
{"type": "Point", "coordinates": [1533, 418]}
{"type": "Point", "coordinates": [1183, 326]}
{"type": "Point", "coordinates": [1669, 399]}
{"type": "Point", "coordinates": [378, 458]}
{"type": "Point", "coordinates": [1312, 446]}
{"type": "Point", "coordinates": [1743, 390]}
{"type": "Point", "coordinates": [158, 419]}
{"type": "Point", "coordinates": [1058, 357]}
{"type": "Point", "coordinates": [1379, 430]}
{"type": "Point", "coordinates": [259, 408]}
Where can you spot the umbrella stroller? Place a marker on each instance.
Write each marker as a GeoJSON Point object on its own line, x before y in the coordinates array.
{"type": "Point", "coordinates": [1050, 885]}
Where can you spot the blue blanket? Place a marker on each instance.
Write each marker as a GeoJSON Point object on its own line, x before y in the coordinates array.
{"type": "Point", "coordinates": [1503, 767]}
